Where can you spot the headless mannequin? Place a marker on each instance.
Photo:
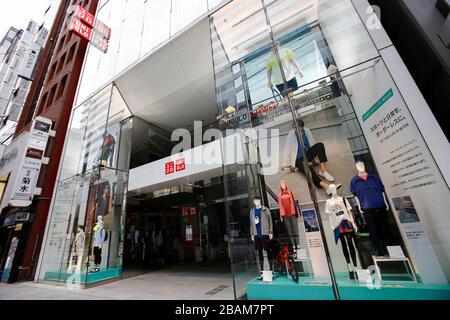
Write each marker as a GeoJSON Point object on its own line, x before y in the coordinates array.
{"type": "Point", "coordinates": [372, 219]}
{"type": "Point", "coordinates": [77, 249]}
{"type": "Point", "coordinates": [291, 220]}
{"type": "Point", "coordinates": [333, 207]}
{"type": "Point", "coordinates": [261, 242]}
{"type": "Point", "coordinates": [99, 236]}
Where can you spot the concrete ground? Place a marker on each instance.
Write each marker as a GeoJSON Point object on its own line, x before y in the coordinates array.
{"type": "Point", "coordinates": [170, 284]}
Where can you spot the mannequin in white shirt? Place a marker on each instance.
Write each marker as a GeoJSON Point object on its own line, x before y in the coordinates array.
{"type": "Point", "coordinates": [99, 239]}
{"type": "Point", "coordinates": [343, 226]}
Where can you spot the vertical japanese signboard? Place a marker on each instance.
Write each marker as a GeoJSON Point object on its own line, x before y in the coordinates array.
{"type": "Point", "coordinates": [29, 171]}
{"type": "Point", "coordinates": [100, 36]}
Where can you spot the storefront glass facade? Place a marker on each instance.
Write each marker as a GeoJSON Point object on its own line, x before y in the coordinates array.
{"type": "Point", "coordinates": [93, 183]}
{"type": "Point", "coordinates": [327, 142]}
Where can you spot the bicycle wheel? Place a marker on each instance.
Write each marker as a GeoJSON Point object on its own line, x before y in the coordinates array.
{"type": "Point", "coordinates": [293, 272]}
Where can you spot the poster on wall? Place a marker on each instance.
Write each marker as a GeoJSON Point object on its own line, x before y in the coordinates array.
{"type": "Point", "coordinates": [315, 244]}
{"type": "Point", "coordinates": [107, 153]}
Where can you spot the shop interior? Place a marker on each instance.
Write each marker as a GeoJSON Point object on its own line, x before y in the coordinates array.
{"type": "Point", "coordinates": [180, 227]}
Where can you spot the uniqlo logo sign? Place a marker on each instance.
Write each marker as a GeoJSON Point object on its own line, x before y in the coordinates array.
{"type": "Point", "coordinates": [80, 29]}
{"type": "Point", "coordinates": [175, 166]}
{"type": "Point", "coordinates": [170, 167]}
{"type": "Point", "coordinates": [85, 16]}
{"type": "Point", "coordinates": [180, 165]}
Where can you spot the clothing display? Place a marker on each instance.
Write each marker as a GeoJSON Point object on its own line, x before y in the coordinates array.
{"type": "Point", "coordinates": [101, 206]}
{"type": "Point", "coordinates": [343, 227]}
{"type": "Point", "coordinates": [97, 255]}
{"type": "Point", "coordinates": [108, 147]}
{"type": "Point", "coordinates": [288, 211]}
{"type": "Point", "coordinates": [76, 255]}
{"type": "Point", "coordinates": [99, 234]}
{"type": "Point", "coordinates": [261, 229]}
{"type": "Point", "coordinates": [348, 248]}
{"type": "Point", "coordinates": [288, 61]}
{"type": "Point", "coordinates": [376, 217]}
{"type": "Point", "coordinates": [369, 191]}
{"type": "Point", "coordinates": [286, 201]}
{"type": "Point", "coordinates": [78, 244]}
{"type": "Point", "coordinates": [265, 221]}
{"type": "Point", "coordinates": [338, 212]}
{"type": "Point", "coordinates": [258, 222]}
{"type": "Point", "coordinates": [291, 224]}
{"type": "Point", "coordinates": [291, 151]}
{"type": "Point", "coordinates": [293, 155]}
{"type": "Point", "coordinates": [291, 84]}
{"type": "Point", "coordinates": [262, 243]}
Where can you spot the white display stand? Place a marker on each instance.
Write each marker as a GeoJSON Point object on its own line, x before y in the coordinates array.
{"type": "Point", "coordinates": [405, 260]}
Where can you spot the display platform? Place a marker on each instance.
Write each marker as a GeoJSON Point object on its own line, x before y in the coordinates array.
{"type": "Point", "coordinates": [82, 278]}
{"type": "Point", "coordinates": [284, 288]}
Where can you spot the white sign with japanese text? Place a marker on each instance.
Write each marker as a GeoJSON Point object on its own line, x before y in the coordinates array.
{"type": "Point", "coordinates": [405, 166]}
{"type": "Point", "coordinates": [29, 172]}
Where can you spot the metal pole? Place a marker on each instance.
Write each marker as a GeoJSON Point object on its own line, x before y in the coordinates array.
{"type": "Point", "coordinates": [299, 134]}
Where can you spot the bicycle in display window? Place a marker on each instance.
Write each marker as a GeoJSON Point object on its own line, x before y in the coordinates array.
{"type": "Point", "coordinates": [284, 258]}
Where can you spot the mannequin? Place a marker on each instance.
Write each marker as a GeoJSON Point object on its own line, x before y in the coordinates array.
{"type": "Point", "coordinates": [288, 212]}
{"type": "Point", "coordinates": [77, 249]}
{"type": "Point", "coordinates": [261, 230]}
{"type": "Point", "coordinates": [293, 157]}
{"type": "Point", "coordinates": [99, 238]}
{"type": "Point", "coordinates": [343, 226]}
{"type": "Point", "coordinates": [370, 196]}
{"type": "Point", "coordinates": [290, 68]}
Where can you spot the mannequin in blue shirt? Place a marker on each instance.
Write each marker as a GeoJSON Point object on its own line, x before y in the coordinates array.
{"type": "Point", "coordinates": [370, 195]}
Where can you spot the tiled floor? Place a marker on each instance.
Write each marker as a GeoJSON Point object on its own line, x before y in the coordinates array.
{"type": "Point", "coordinates": [171, 284]}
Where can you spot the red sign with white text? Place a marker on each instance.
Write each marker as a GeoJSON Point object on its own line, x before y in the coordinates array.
{"type": "Point", "coordinates": [85, 16]}
{"type": "Point", "coordinates": [175, 166]}
{"type": "Point", "coordinates": [80, 29]}
{"type": "Point", "coordinates": [180, 165]}
{"type": "Point", "coordinates": [170, 167]}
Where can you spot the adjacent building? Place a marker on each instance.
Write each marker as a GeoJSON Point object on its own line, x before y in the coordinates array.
{"type": "Point", "coordinates": [31, 161]}
{"type": "Point", "coordinates": [21, 51]}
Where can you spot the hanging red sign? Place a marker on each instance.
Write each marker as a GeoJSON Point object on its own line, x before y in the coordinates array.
{"type": "Point", "coordinates": [83, 25]}
{"type": "Point", "coordinates": [80, 29]}
{"type": "Point", "coordinates": [84, 15]}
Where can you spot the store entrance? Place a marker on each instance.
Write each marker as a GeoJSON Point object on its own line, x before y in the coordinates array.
{"type": "Point", "coordinates": [177, 228]}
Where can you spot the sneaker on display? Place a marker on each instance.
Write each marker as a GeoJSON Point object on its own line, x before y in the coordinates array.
{"type": "Point", "coordinates": [326, 176]}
